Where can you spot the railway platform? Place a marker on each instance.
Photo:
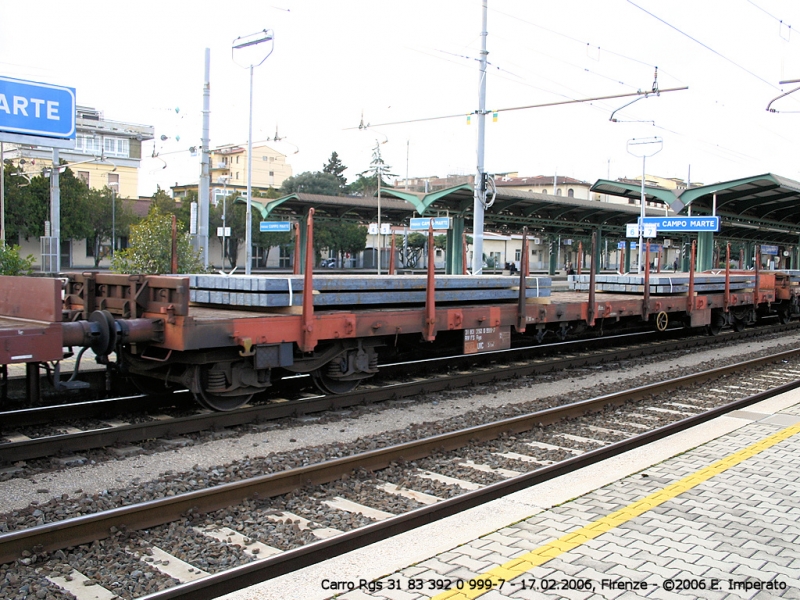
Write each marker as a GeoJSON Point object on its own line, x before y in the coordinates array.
{"type": "Point", "coordinates": [711, 512]}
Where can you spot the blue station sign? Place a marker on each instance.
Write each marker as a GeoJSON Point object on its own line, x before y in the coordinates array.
{"type": "Point", "coordinates": [682, 224]}
{"type": "Point", "coordinates": [273, 226]}
{"type": "Point", "coordinates": [769, 249]}
{"type": "Point", "coordinates": [422, 223]}
{"type": "Point", "coordinates": [37, 109]}
{"type": "Point", "coordinates": [634, 246]}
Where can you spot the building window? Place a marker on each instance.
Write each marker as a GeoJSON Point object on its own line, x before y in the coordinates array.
{"type": "Point", "coordinates": [558, 192]}
{"type": "Point", "coordinates": [114, 146]}
{"type": "Point", "coordinates": [237, 172]}
{"type": "Point", "coordinates": [88, 144]}
{"type": "Point", "coordinates": [571, 193]}
{"type": "Point", "coordinates": [544, 191]}
{"type": "Point", "coordinates": [84, 177]}
{"type": "Point", "coordinates": [113, 181]}
{"type": "Point", "coordinates": [518, 254]}
{"type": "Point", "coordinates": [272, 173]}
{"type": "Point", "coordinates": [237, 160]}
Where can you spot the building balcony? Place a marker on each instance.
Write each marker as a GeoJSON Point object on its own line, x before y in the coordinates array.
{"type": "Point", "coordinates": [220, 167]}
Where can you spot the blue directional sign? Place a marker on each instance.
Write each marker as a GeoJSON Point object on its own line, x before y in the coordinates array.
{"type": "Point", "coordinates": [634, 246]}
{"type": "Point", "coordinates": [273, 226]}
{"type": "Point", "coordinates": [682, 224]}
{"type": "Point", "coordinates": [422, 223]}
{"type": "Point", "coordinates": [769, 249]}
{"type": "Point", "coordinates": [37, 109]}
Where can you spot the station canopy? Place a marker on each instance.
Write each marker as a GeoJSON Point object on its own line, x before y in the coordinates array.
{"type": "Point", "coordinates": [763, 208]}
{"type": "Point", "coordinates": [347, 208]}
{"type": "Point", "coordinates": [512, 210]}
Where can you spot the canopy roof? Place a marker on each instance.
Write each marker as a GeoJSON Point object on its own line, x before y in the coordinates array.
{"type": "Point", "coordinates": [512, 209]}
{"type": "Point", "coordinates": [760, 208]}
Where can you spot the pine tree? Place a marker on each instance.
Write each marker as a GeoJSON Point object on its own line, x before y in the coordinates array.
{"type": "Point", "coordinates": [336, 168]}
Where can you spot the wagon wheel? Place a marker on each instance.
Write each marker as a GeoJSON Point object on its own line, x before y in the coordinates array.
{"type": "Point", "coordinates": [336, 376]}
{"type": "Point", "coordinates": [739, 319]}
{"type": "Point", "coordinates": [662, 320]}
{"type": "Point", "coordinates": [331, 385]}
{"type": "Point", "coordinates": [717, 322]}
{"type": "Point", "coordinates": [211, 400]}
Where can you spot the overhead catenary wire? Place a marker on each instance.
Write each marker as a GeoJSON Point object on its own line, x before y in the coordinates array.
{"type": "Point", "coordinates": [522, 80]}
{"type": "Point", "coordinates": [706, 46]}
{"type": "Point", "coordinates": [769, 14]}
{"type": "Point", "coordinates": [579, 41]}
{"type": "Point", "coordinates": [512, 108]}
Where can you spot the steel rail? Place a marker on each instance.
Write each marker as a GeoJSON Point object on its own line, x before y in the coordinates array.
{"type": "Point", "coordinates": [88, 528]}
{"type": "Point", "coordinates": [105, 408]}
{"type": "Point", "coordinates": [137, 432]}
{"type": "Point", "coordinates": [254, 573]}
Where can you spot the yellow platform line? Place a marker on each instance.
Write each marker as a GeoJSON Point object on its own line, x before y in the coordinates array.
{"type": "Point", "coordinates": [520, 565]}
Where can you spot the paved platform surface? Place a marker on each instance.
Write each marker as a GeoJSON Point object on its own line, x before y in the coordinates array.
{"type": "Point", "coordinates": [709, 513]}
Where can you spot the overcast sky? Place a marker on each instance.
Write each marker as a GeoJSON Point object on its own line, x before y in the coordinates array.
{"type": "Point", "coordinates": [399, 60]}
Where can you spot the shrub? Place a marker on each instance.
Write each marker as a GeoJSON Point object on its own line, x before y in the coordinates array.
{"type": "Point", "coordinates": [150, 251]}
{"type": "Point", "coordinates": [11, 263]}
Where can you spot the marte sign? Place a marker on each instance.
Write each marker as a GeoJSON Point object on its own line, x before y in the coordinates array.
{"type": "Point", "coordinates": [30, 111]}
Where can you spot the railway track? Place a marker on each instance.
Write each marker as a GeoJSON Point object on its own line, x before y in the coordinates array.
{"type": "Point", "coordinates": [213, 540]}
{"type": "Point", "coordinates": [66, 430]}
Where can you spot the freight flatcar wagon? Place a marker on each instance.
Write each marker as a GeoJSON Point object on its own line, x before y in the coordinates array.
{"type": "Point", "coordinates": [226, 338]}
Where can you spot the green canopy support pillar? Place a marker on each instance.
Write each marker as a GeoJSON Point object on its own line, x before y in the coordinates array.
{"type": "Point", "coordinates": [455, 248]}
{"type": "Point", "coordinates": [597, 259]}
{"type": "Point", "coordinates": [553, 262]}
{"type": "Point", "coordinates": [627, 256]}
{"type": "Point", "coordinates": [686, 254]}
{"type": "Point", "coordinates": [705, 250]}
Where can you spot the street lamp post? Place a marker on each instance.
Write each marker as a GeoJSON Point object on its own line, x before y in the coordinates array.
{"type": "Point", "coordinates": [113, 187]}
{"type": "Point", "coordinates": [643, 147]}
{"type": "Point", "coordinates": [224, 181]}
{"type": "Point", "coordinates": [240, 43]}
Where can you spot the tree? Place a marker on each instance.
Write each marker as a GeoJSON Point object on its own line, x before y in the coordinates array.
{"type": "Point", "coordinates": [367, 182]}
{"type": "Point", "coordinates": [415, 243]}
{"type": "Point", "coordinates": [27, 201]}
{"type": "Point", "coordinates": [167, 205]}
{"type": "Point", "coordinates": [340, 237]}
{"type": "Point", "coordinates": [270, 240]}
{"type": "Point", "coordinates": [150, 251]}
{"type": "Point", "coordinates": [335, 167]}
{"type": "Point", "coordinates": [74, 208]}
{"type": "Point", "coordinates": [106, 216]}
{"type": "Point", "coordinates": [163, 201]}
{"type": "Point", "coordinates": [312, 183]}
{"type": "Point", "coordinates": [25, 213]}
{"type": "Point", "coordinates": [363, 186]}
